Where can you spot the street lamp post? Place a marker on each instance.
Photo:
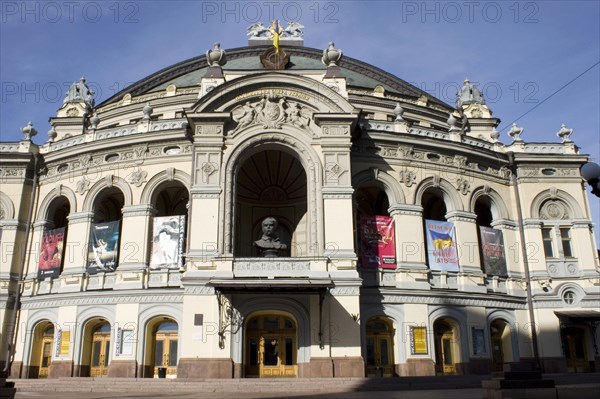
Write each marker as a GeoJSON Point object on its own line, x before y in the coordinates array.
{"type": "Point", "coordinates": [591, 174]}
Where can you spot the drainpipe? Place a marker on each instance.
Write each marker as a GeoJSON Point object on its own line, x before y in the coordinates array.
{"type": "Point", "coordinates": [17, 302]}
{"type": "Point", "coordinates": [534, 340]}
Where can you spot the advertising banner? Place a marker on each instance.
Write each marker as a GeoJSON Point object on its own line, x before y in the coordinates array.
{"type": "Point", "coordinates": [104, 247]}
{"type": "Point", "coordinates": [168, 241]}
{"type": "Point", "coordinates": [442, 252]}
{"type": "Point", "coordinates": [51, 253]}
{"type": "Point", "coordinates": [492, 249]}
{"type": "Point", "coordinates": [378, 245]}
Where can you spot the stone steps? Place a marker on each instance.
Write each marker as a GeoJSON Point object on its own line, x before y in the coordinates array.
{"type": "Point", "coordinates": [308, 385]}
{"type": "Point", "coordinates": [248, 385]}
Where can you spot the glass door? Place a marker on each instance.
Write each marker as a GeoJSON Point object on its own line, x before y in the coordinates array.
{"type": "Point", "coordinates": [100, 351]}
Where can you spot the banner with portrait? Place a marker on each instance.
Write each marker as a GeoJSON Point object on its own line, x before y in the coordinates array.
{"type": "Point", "coordinates": [442, 251]}
{"type": "Point", "coordinates": [168, 241]}
{"type": "Point", "coordinates": [103, 254]}
{"type": "Point", "coordinates": [492, 249]}
{"type": "Point", "coordinates": [377, 242]}
{"type": "Point", "coordinates": [51, 253]}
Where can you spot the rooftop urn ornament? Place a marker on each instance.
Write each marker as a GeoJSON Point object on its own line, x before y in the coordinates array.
{"type": "Point", "coordinates": [147, 112]}
{"type": "Point", "coordinates": [28, 131]}
{"type": "Point", "coordinates": [216, 56]}
{"type": "Point", "coordinates": [80, 92]}
{"type": "Point", "coordinates": [453, 122]}
{"type": "Point", "coordinates": [269, 244]}
{"type": "Point", "coordinates": [398, 112]}
{"type": "Point", "coordinates": [469, 94]}
{"type": "Point", "coordinates": [515, 132]}
{"type": "Point", "coordinates": [565, 134]}
{"type": "Point", "coordinates": [52, 134]}
{"type": "Point", "coordinates": [95, 120]}
{"type": "Point", "coordinates": [331, 55]}
{"type": "Point", "coordinates": [494, 135]}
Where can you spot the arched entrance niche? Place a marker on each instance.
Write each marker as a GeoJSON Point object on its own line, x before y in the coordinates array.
{"type": "Point", "coordinates": [502, 349]}
{"type": "Point", "coordinates": [574, 343]}
{"type": "Point", "coordinates": [42, 349]}
{"type": "Point", "coordinates": [54, 238]}
{"type": "Point", "coordinates": [379, 347]}
{"type": "Point", "coordinates": [106, 231]}
{"type": "Point", "coordinates": [169, 225]}
{"type": "Point", "coordinates": [162, 348]}
{"type": "Point", "coordinates": [270, 345]}
{"type": "Point", "coordinates": [96, 348]}
{"type": "Point", "coordinates": [271, 182]}
{"type": "Point", "coordinates": [371, 202]}
{"type": "Point", "coordinates": [447, 346]}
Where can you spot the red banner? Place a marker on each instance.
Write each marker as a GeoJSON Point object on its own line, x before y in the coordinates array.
{"type": "Point", "coordinates": [51, 253]}
{"type": "Point", "coordinates": [377, 242]}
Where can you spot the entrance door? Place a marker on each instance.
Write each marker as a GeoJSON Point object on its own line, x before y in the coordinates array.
{"type": "Point", "coordinates": [271, 347]}
{"type": "Point", "coordinates": [100, 351]}
{"type": "Point", "coordinates": [497, 353]}
{"type": "Point", "coordinates": [165, 348]}
{"type": "Point", "coordinates": [46, 352]}
{"type": "Point", "coordinates": [380, 354]}
{"type": "Point", "coordinates": [574, 346]}
{"type": "Point", "coordinates": [444, 349]}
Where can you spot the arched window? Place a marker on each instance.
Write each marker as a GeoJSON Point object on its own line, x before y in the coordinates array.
{"type": "Point", "coordinates": [105, 231]}
{"type": "Point", "coordinates": [54, 238]}
{"type": "Point", "coordinates": [556, 230]}
{"type": "Point", "coordinates": [169, 225]}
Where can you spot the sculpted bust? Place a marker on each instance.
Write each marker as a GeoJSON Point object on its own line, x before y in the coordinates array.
{"type": "Point", "coordinates": [269, 243]}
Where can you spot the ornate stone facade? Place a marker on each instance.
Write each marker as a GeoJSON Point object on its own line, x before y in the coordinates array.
{"type": "Point", "coordinates": [320, 153]}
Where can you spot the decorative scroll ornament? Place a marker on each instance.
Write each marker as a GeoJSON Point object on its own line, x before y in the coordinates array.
{"type": "Point", "coordinates": [408, 177]}
{"type": "Point", "coordinates": [463, 186]}
{"type": "Point", "coordinates": [271, 111]}
{"type": "Point", "coordinates": [82, 186]}
{"type": "Point", "coordinates": [554, 210]}
{"type": "Point", "coordinates": [230, 320]}
{"type": "Point", "coordinates": [138, 177]}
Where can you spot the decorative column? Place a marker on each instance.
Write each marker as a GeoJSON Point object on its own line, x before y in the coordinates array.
{"type": "Point", "coordinates": [134, 246]}
{"type": "Point", "coordinates": [337, 188]}
{"type": "Point", "coordinates": [411, 251]}
{"type": "Point", "coordinates": [76, 251]}
{"type": "Point", "coordinates": [205, 213]}
{"type": "Point", "coordinates": [471, 277]}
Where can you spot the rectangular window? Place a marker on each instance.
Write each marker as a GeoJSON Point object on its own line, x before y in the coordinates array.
{"type": "Point", "coordinates": [565, 238]}
{"type": "Point", "coordinates": [127, 342]}
{"type": "Point", "coordinates": [547, 238]}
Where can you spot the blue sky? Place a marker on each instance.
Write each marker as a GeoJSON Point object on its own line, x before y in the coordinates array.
{"type": "Point", "coordinates": [519, 52]}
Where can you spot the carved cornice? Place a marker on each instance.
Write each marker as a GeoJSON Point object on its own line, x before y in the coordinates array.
{"type": "Point", "coordinates": [80, 217]}
{"type": "Point", "coordinates": [138, 210]}
{"type": "Point", "coordinates": [337, 192]}
{"type": "Point", "coordinates": [445, 300]}
{"type": "Point", "coordinates": [12, 224]}
{"type": "Point", "coordinates": [460, 216]}
{"type": "Point", "coordinates": [406, 209]}
{"type": "Point", "coordinates": [109, 298]}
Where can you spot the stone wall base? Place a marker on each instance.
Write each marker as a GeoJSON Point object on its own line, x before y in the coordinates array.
{"type": "Point", "coordinates": [81, 370]}
{"type": "Point", "coordinates": [318, 368]}
{"type": "Point", "coordinates": [122, 369]}
{"type": "Point", "coordinates": [416, 367]}
{"type": "Point", "coordinates": [348, 366]}
{"type": "Point", "coordinates": [16, 370]}
{"type": "Point", "coordinates": [479, 366]}
{"type": "Point", "coordinates": [554, 364]}
{"type": "Point", "coordinates": [204, 368]}
{"type": "Point", "coordinates": [60, 368]}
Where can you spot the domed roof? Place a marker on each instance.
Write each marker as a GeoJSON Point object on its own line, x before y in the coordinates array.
{"type": "Point", "coordinates": [246, 60]}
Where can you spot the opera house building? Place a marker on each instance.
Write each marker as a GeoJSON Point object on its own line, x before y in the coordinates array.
{"type": "Point", "coordinates": [283, 211]}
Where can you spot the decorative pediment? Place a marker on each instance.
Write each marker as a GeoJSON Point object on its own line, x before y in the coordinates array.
{"type": "Point", "coordinates": [271, 111]}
